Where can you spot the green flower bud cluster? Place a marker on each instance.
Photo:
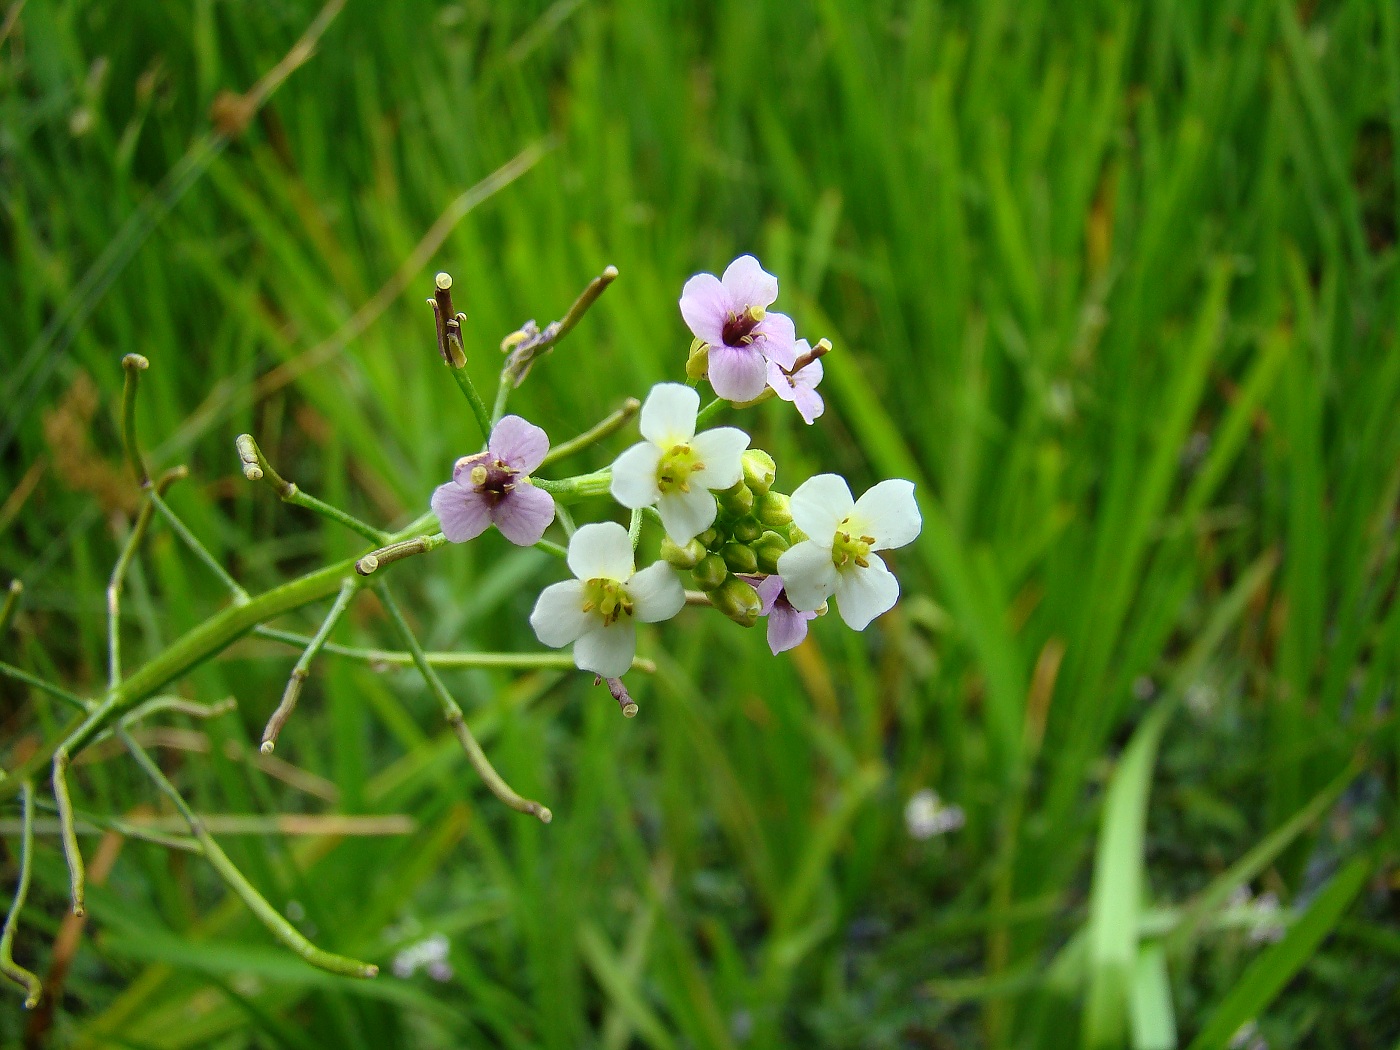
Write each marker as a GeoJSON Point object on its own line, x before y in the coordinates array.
{"type": "Point", "coordinates": [751, 531]}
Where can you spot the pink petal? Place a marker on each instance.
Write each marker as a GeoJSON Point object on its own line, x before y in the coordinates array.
{"type": "Point", "coordinates": [524, 514]}
{"type": "Point", "coordinates": [786, 628]}
{"type": "Point", "coordinates": [518, 443]}
{"type": "Point", "coordinates": [809, 403]}
{"type": "Point", "coordinates": [768, 590]}
{"type": "Point", "coordinates": [462, 512]}
{"type": "Point", "coordinates": [780, 381]}
{"type": "Point", "coordinates": [748, 284]}
{"type": "Point", "coordinates": [706, 305]}
{"type": "Point", "coordinates": [810, 375]}
{"type": "Point", "coordinates": [738, 373]}
{"type": "Point", "coordinates": [776, 339]}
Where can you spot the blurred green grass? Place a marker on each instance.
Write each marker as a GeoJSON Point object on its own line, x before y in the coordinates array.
{"type": "Point", "coordinates": [1114, 284]}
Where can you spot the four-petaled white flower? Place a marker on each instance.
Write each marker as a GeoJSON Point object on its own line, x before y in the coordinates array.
{"type": "Point", "coordinates": [843, 535]}
{"type": "Point", "coordinates": [675, 469]}
{"type": "Point", "coordinates": [599, 610]}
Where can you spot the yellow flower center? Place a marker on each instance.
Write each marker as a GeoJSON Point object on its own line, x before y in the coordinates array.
{"type": "Point", "coordinates": [677, 465]}
{"type": "Point", "coordinates": [848, 548]}
{"type": "Point", "coordinates": [608, 598]}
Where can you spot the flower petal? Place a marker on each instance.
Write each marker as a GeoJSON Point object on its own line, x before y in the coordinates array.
{"type": "Point", "coordinates": [462, 469]}
{"type": "Point", "coordinates": [634, 476]}
{"type": "Point", "coordinates": [524, 514]}
{"type": "Point", "coordinates": [559, 618]}
{"type": "Point", "coordinates": [889, 512]}
{"type": "Point", "coordinates": [706, 305]}
{"type": "Point", "coordinates": [518, 443]}
{"type": "Point", "coordinates": [722, 452]}
{"type": "Point", "coordinates": [863, 594]}
{"type": "Point", "coordinates": [687, 514]}
{"type": "Point", "coordinates": [768, 590]}
{"type": "Point", "coordinates": [462, 512]}
{"type": "Point", "coordinates": [776, 339]}
{"type": "Point", "coordinates": [601, 551]}
{"type": "Point", "coordinates": [668, 417]}
{"type": "Point", "coordinates": [786, 628]}
{"type": "Point", "coordinates": [809, 404]}
{"type": "Point", "coordinates": [810, 374]}
{"type": "Point", "coordinates": [738, 373]}
{"type": "Point", "coordinates": [748, 284]}
{"type": "Point", "coordinates": [607, 651]}
{"type": "Point", "coordinates": [819, 505]}
{"type": "Point", "coordinates": [781, 382]}
{"type": "Point", "coordinates": [809, 575]}
{"type": "Point", "coordinates": [656, 593]}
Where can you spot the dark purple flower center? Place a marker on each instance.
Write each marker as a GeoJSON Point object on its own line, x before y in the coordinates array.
{"type": "Point", "coordinates": [494, 480]}
{"type": "Point", "coordinates": [738, 331]}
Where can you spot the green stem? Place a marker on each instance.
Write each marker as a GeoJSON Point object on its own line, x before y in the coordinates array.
{"type": "Point", "coordinates": [552, 548]}
{"type": "Point", "coordinates": [605, 428]}
{"type": "Point", "coordinates": [275, 922]}
{"type": "Point", "coordinates": [199, 550]}
{"type": "Point", "coordinates": [303, 666]}
{"type": "Point", "coordinates": [180, 706]}
{"type": "Point", "coordinates": [133, 365]}
{"type": "Point", "coordinates": [453, 661]}
{"type": "Point", "coordinates": [710, 411]}
{"type": "Point", "coordinates": [453, 714]}
{"type": "Point", "coordinates": [483, 420]}
{"type": "Point", "coordinates": [371, 562]}
{"type": "Point", "coordinates": [11, 969]}
{"type": "Point", "coordinates": [35, 682]}
{"type": "Point", "coordinates": [7, 611]}
{"type": "Point", "coordinates": [579, 487]}
{"type": "Point", "coordinates": [257, 468]}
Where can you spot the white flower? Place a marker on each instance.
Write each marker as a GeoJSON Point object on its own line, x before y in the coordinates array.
{"type": "Point", "coordinates": [597, 611]}
{"type": "Point", "coordinates": [838, 557]}
{"type": "Point", "coordinates": [675, 469]}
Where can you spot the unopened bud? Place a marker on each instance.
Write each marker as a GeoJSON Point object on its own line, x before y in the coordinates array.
{"type": "Point", "coordinates": [759, 470]}
{"type": "Point", "coordinates": [769, 548]}
{"type": "Point", "coordinates": [710, 572]}
{"type": "Point", "coordinates": [746, 530]}
{"type": "Point", "coordinates": [737, 501]}
{"type": "Point", "coordinates": [686, 557]}
{"type": "Point", "coordinates": [739, 558]}
{"type": "Point", "coordinates": [737, 600]}
{"type": "Point", "coordinates": [772, 509]}
{"type": "Point", "coordinates": [697, 365]}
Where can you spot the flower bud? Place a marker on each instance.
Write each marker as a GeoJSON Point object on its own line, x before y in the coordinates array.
{"type": "Point", "coordinates": [746, 530]}
{"type": "Point", "coordinates": [697, 365]}
{"type": "Point", "coordinates": [772, 509]}
{"type": "Point", "coordinates": [710, 572]}
{"type": "Point", "coordinates": [769, 548]}
{"type": "Point", "coordinates": [737, 600]}
{"type": "Point", "coordinates": [682, 557]}
{"type": "Point", "coordinates": [737, 501]}
{"type": "Point", "coordinates": [739, 558]}
{"type": "Point", "coordinates": [709, 538]}
{"type": "Point", "coordinates": [759, 470]}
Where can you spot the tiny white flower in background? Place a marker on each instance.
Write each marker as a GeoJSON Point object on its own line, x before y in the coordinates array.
{"type": "Point", "coordinates": [925, 816]}
{"type": "Point", "coordinates": [598, 611]}
{"type": "Point", "coordinates": [429, 954]}
{"type": "Point", "coordinates": [675, 469]}
{"type": "Point", "coordinates": [838, 557]}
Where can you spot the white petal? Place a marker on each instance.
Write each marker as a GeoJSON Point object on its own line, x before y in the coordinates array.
{"type": "Point", "coordinates": [687, 514]}
{"type": "Point", "coordinates": [601, 550]}
{"type": "Point", "coordinates": [559, 617]}
{"type": "Point", "coordinates": [607, 651]}
{"type": "Point", "coordinates": [656, 593]}
{"type": "Point", "coordinates": [634, 476]}
{"type": "Point", "coordinates": [749, 283]}
{"type": "Point", "coordinates": [809, 575]}
{"type": "Point", "coordinates": [863, 594]}
{"type": "Point", "coordinates": [889, 512]}
{"type": "Point", "coordinates": [668, 417]}
{"type": "Point", "coordinates": [820, 504]}
{"type": "Point", "coordinates": [722, 451]}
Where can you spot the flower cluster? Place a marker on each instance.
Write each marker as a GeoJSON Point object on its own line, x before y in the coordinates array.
{"type": "Point", "coordinates": [751, 551]}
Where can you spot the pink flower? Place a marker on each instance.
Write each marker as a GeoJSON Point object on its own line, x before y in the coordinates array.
{"type": "Point", "coordinates": [731, 315]}
{"type": "Point", "coordinates": [787, 627]}
{"type": "Point", "coordinates": [800, 385]}
{"type": "Point", "coordinates": [493, 487]}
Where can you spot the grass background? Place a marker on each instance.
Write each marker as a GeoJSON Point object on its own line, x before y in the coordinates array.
{"type": "Point", "coordinates": [1114, 284]}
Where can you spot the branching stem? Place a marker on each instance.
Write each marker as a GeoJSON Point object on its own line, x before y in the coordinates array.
{"type": "Point", "coordinates": [11, 969]}
{"type": "Point", "coordinates": [303, 666]}
{"type": "Point", "coordinates": [608, 426]}
{"type": "Point", "coordinates": [257, 468]}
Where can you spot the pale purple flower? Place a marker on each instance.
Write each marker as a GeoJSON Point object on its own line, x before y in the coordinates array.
{"type": "Point", "coordinates": [494, 487]}
{"type": "Point", "coordinates": [787, 627]}
{"type": "Point", "coordinates": [731, 315]}
{"type": "Point", "coordinates": [800, 386]}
